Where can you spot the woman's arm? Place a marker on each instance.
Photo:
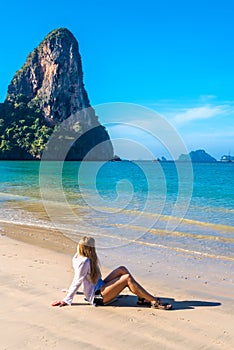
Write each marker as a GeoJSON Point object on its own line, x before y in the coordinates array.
{"type": "Point", "coordinates": [81, 272]}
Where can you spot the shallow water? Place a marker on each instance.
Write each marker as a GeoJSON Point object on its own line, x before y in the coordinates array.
{"type": "Point", "coordinates": [154, 204]}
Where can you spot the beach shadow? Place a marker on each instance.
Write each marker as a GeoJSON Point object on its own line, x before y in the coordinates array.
{"type": "Point", "coordinates": [124, 301]}
{"type": "Point", "coordinates": [189, 304]}
{"type": "Point", "coordinates": [131, 301]}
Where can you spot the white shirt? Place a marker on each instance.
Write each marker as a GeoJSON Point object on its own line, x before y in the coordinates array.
{"type": "Point", "coordinates": [81, 278]}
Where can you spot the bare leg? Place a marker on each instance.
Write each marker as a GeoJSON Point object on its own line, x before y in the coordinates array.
{"type": "Point", "coordinates": [119, 271]}
{"type": "Point", "coordinates": [119, 279]}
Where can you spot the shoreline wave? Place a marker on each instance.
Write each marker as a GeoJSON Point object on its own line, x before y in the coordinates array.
{"type": "Point", "coordinates": [72, 234]}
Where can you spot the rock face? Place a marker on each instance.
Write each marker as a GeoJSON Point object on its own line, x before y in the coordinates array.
{"type": "Point", "coordinates": [51, 84]}
{"type": "Point", "coordinates": [197, 156]}
{"type": "Point", "coordinates": [53, 77]}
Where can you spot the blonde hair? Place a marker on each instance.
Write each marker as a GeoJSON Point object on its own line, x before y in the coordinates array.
{"type": "Point", "coordinates": [86, 247]}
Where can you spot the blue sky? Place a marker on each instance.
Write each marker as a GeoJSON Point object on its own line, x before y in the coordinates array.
{"type": "Point", "coordinates": [175, 57]}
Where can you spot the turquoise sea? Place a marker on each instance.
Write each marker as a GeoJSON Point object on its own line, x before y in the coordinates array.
{"type": "Point", "coordinates": [182, 208]}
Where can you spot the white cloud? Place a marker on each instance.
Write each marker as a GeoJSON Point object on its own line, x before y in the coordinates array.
{"type": "Point", "coordinates": [206, 98]}
{"type": "Point", "coordinates": [204, 123]}
{"type": "Point", "coordinates": [206, 107]}
{"type": "Point", "coordinates": [200, 113]}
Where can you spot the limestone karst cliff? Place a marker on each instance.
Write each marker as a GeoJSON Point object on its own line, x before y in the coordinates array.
{"type": "Point", "coordinates": [46, 92]}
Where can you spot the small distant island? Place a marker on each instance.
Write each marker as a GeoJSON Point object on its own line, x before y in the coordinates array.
{"type": "Point", "coordinates": [197, 156]}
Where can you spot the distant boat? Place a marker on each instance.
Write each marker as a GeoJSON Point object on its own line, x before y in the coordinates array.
{"type": "Point", "coordinates": [227, 159]}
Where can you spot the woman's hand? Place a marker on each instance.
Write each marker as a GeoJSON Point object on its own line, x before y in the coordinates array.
{"type": "Point", "coordinates": [59, 303]}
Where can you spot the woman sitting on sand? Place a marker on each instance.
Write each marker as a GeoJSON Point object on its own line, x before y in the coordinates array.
{"type": "Point", "coordinates": [98, 291]}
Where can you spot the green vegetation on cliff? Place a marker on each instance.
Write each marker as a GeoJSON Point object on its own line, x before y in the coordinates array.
{"type": "Point", "coordinates": [23, 130]}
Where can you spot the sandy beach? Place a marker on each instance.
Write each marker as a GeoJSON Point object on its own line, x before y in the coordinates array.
{"type": "Point", "coordinates": [34, 269]}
